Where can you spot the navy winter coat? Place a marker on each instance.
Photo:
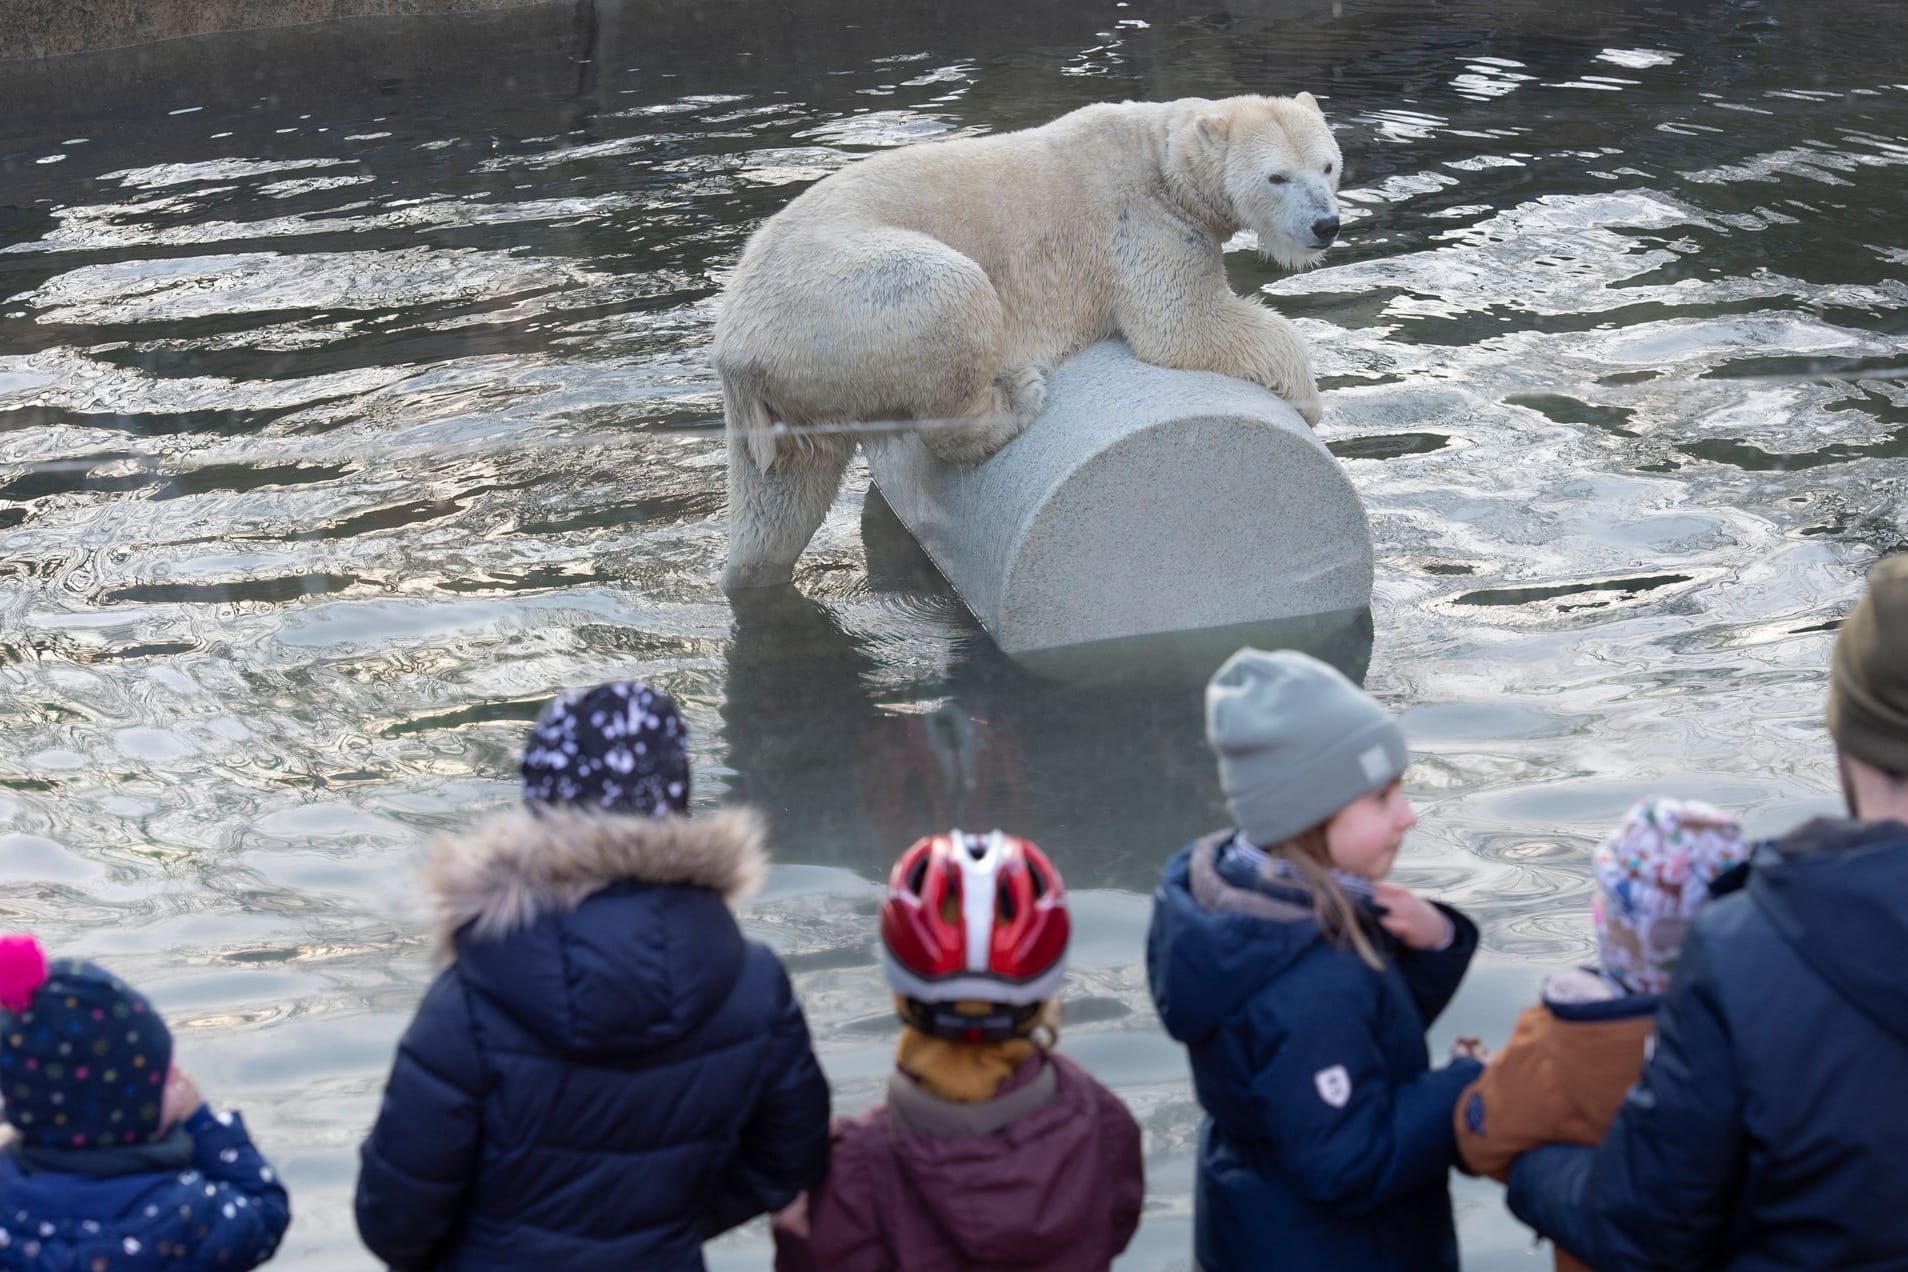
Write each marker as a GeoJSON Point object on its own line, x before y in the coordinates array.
{"type": "Point", "coordinates": [608, 1073]}
{"type": "Point", "coordinates": [1770, 1127]}
{"type": "Point", "coordinates": [215, 1205]}
{"type": "Point", "coordinates": [1327, 1141]}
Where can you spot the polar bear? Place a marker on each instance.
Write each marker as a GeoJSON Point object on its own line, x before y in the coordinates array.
{"type": "Point", "coordinates": [939, 282]}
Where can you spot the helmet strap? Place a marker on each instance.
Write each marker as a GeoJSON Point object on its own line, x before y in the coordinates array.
{"type": "Point", "coordinates": [999, 1023]}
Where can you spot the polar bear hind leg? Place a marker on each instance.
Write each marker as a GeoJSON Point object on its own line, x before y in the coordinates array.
{"type": "Point", "coordinates": [775, 510]}
{"type": "Point", "coordinates": [872, 327]}
{"type": "Point", "coordinates": [999, 411]}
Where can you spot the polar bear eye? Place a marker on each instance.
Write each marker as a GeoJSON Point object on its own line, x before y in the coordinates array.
{"type": "Point", "coordinates": [1278, 178]}
{"type": "Point", "coordinates": [1328, 170]}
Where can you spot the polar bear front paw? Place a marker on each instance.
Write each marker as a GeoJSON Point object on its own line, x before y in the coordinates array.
{"type": "Point", "coordinates": [1303, 397]}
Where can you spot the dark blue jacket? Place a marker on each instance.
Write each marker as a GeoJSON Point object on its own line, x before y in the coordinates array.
{"type": "Point", "coordinates": [1327, 1141]}
{"type": "Point", "coordinates": [1770, 1127]}
{"type": "Point", "coordinates": [608, 1073]}
{"type": "Point", "coordinates": [215, 1205]}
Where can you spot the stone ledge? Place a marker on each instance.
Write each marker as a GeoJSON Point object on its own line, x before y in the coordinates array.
{"type": "Point", "coordinates": [52, 28]}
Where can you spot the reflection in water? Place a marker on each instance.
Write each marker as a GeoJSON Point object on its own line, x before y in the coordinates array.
{"type": "Point", "coordinates": [354, 398]}
{"type": "Point", "coordinates": [1099, 755]}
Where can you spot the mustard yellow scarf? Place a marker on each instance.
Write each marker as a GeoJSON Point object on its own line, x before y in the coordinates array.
{"type": "Point", "coordinates": [969, 1072]}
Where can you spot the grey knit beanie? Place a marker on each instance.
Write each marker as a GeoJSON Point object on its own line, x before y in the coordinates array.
{"type": "Point", "coordinates": [1296, 742]}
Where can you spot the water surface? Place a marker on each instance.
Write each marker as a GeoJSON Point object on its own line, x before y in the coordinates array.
{"type": "Point", "coordinates": [354, 398]}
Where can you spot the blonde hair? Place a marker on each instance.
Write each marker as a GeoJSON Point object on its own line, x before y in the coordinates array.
{"type": "Point", "coordinates": [1310, 857]}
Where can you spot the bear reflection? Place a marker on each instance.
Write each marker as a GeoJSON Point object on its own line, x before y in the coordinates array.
{"type": "Point", "coordinates": [1097, 754]}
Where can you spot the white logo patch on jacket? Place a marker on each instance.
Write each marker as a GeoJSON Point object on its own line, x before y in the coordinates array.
{"type": "Point", "coordinates": [1334, 1085]}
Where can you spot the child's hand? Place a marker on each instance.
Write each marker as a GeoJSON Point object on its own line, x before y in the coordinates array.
{"type": "Point", "coordinates": [182, 1099]}
{"type": "Point", "coordinates": [1410, 918]}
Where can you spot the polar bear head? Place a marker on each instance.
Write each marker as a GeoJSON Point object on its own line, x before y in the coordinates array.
{"type": "Point", "coordinates": [1279, 167]}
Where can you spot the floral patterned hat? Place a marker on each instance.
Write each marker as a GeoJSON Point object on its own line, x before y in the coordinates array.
{"type": "Point", "coordinates": [1653, 873]}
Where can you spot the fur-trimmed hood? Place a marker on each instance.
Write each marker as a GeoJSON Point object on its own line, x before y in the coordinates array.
{"type": "Point", "coordinates": [599, 933]}
{"type": "Point", "coordinates": [519, 865]}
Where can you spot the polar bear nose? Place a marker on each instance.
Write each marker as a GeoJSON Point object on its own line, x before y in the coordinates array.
{"type": "Point", "coordinates": [1325, 229]}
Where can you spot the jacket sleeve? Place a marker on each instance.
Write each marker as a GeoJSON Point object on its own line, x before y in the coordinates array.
{"type": "Point", "coordinates": [1433, 975]}
{"type": "Point", "coordinates": [1346, 1136]}
{"type": "Point", "coordinates": [417, 1164]}
{"type": "Point", "coordinates": [1500, 1115]}
{"type": "Point", "coordinates": [835, 1226]}
{"type": "Point", "coordinates": [783, 1147]}
{"type": "Point", "coordinates": [1657, 1193]}
{"type": "Point", "coordinates": [253, 1209]}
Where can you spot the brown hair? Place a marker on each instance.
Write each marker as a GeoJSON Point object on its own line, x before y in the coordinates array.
{"type": "Point", "coordinates": [1311, 860]}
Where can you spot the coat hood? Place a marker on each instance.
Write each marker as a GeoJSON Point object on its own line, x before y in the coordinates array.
{"type": "Point", "coordinates": [519, 865]}
{"type": "Point", "coordinates": [1211, 946]}
{"type": "Point", "coordinates": [1026, 1196]}
{"type": "Point", "coordinates": [600, 932]}
{"type": "Point", "coordinates": [1837, 891]}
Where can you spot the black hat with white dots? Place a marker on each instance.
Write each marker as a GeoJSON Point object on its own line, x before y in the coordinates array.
{"type": "Point", "coordinates": [619, 748]}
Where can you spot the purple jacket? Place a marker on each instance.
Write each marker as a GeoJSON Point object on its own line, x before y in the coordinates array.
{"type": "Point", "coordinates": [1047, 1176]}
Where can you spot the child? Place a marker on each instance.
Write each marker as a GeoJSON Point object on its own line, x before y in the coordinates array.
{"type": "Point", "coordinates": [1302, 983]}
{"type": "Point", "coordinates": [115, 1161]}
{"type": "Point", "coordinates": [1565, 1071]}
{"type": "Point", "coordinates": [991, 1151]}
{"type": "Point", "coordinates": [607, 1073]}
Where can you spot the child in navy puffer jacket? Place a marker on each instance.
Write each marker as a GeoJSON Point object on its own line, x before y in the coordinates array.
{"type": "Point", "coordinates": [1302, 983]}
{"type": "Point", "coordinates": [607, 1073]}
{"type": "Point", "coordinates": [115, 1164]}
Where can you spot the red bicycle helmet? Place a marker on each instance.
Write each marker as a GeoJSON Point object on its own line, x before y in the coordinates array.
{"type": "Point", "coordinates": [975, 918]}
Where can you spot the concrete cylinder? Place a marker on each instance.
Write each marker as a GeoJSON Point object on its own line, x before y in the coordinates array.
{"type": "Point", "coordinates": [1142, 501]}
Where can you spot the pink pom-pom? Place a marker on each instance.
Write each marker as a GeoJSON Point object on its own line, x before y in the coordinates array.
{"type": "Point", "coordinates": [22, 970]}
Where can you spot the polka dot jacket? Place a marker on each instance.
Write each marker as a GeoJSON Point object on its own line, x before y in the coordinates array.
{"type": "Point", "coordinates": [222, 1209]}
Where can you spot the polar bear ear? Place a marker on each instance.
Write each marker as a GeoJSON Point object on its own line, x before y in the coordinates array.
{"type": "Point", "coordinates": [1306, 99]}
{"type": "Point", "coordinates": [1215, 127]}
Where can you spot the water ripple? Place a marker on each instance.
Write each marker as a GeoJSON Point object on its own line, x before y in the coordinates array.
{"type": "Point", "coordinates": [340, 427]}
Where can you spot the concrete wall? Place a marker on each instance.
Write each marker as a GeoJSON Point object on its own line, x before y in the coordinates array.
{"type": "Point", "coordinates": [48, 28]}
